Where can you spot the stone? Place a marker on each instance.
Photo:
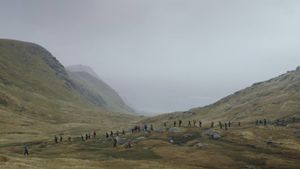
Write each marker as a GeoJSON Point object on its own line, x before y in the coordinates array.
{"type": "Point", "coordinates": [213, 134]}
{"type": "Point", "coordinates": [216, 136]}
{"type": "Point", "coordinates": [187, 135]}
{"type": "Point", "coordinates": [173, 129]}
{"type": "Point", "coordinates": [121, 140]}
{"type": "Point", "coordinates": [200, 145]}
{"type": "Point", "coordinates": [161, 129]}
{"type": "Point", "coordinates": [141, 138]}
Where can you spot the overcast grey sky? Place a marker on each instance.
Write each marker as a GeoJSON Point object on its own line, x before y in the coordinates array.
{"type": "Point", "coordinates": [164, 55]}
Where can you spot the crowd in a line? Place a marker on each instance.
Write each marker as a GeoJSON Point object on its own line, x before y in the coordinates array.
{"type": "Point", "coordinates": [138, 128]}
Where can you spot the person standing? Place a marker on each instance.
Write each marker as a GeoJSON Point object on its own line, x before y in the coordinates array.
{"type": "Point", "coordinates": [94, 134]}
{"type": "Point", "coordinates": [55, 139]}
{"type": "Point", "coordinates": [26, 152]}
{"type": "Point", "coordinates": [115, 141]}
{"type": "Point", "coordinates": [212, 125]}
{"type": "Point", "coordinates": [189, 125]}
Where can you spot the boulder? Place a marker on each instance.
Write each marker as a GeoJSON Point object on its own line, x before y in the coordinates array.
{"type": "Point", "coordinates": [209, 132]}
{"type": "Point", "coordinates": [121, 140]}
{"type": "Point", "coordinates": [200, 145]}
{"type": "Point", "coordinates": [161, 129]}
{"type": "Point", "coordinates": [187, 135]}
{"type": "Point", "coordinates": [141, 138]}
{"type": "Point", "coordinates": [216, 136]}
{"type": "Point", "coordinates": [213, 134]}
{"type": "Point", "coordinates": [174, 129]}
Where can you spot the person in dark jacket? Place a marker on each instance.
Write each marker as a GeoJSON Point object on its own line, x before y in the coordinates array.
{"type": "Point", "coordinates": [26, 151]}
{"type": "Point", "coordinates": [94, 134]}
{"type": "Point", "coordinates": [212, 125]}
{"type": "Point", "coordinates": [189, 124]}
{"type": "Point", "coordinates": [55, 139]}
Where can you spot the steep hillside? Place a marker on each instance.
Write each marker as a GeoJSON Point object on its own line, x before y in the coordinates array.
{"type": "Point", "coordinates": [37, 96]}
{"type": "Point", "coordinates": [277, 98]}
{"type": "Point", "coordinates": [96, 91]}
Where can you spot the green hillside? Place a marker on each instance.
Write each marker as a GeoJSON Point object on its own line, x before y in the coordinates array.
{"type": "Point", "coordinates": [38, 98]}
{"type": "Point", "coordinates": [96, 91]}
{"type": "Point", "coordinates": [277, 98]}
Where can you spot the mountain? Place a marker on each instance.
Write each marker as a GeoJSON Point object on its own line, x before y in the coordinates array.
{"type": "Point", "coordinates": [92, 87]}
{"type": "Point", "coordinates": [37, 96]}
{"type": "Point", "coordinates": [277, 98]}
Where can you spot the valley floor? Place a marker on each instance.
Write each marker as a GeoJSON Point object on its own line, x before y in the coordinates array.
{"type": "Point", "coordinates": [247, 146]}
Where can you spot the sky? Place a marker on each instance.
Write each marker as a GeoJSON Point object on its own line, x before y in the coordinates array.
{"type": "Point", "coordinates": [164, 55]}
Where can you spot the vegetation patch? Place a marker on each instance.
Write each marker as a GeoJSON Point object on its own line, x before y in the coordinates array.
{"type": "Point", "coordinates": [134, 154]}
{"type": "Point", "coordinates": [3, 159]}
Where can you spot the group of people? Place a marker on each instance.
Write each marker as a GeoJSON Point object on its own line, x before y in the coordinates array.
{"type": "Point", "coordinates": [195, 122]}
{"type": "Point", "coordinates": [227, 125]}
{"type": "Point", "coordinates": [56, 139]}
{"type": "Point", "coordinates": [117, 133]}
{"type": "Point", "coordinates": [145, 128]}
{"type": "Point", "coordinates": [260, 122]}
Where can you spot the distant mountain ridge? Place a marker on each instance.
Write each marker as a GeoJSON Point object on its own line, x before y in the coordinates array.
{"type": "Point", "coordinates": [92, 87]}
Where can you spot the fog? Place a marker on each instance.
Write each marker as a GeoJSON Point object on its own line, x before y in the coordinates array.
{"type": "Point", "coordinates": [164, 55]}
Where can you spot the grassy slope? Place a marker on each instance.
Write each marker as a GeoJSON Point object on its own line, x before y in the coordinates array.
{"type": "Point", "coordinates": [92, 87]}
{"type": "Point", "coordinates": [239, 147]}
{"type": "Point", "coordinates": [277, 98]}
{"type": "Point", "coordinates": [38, 99]}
